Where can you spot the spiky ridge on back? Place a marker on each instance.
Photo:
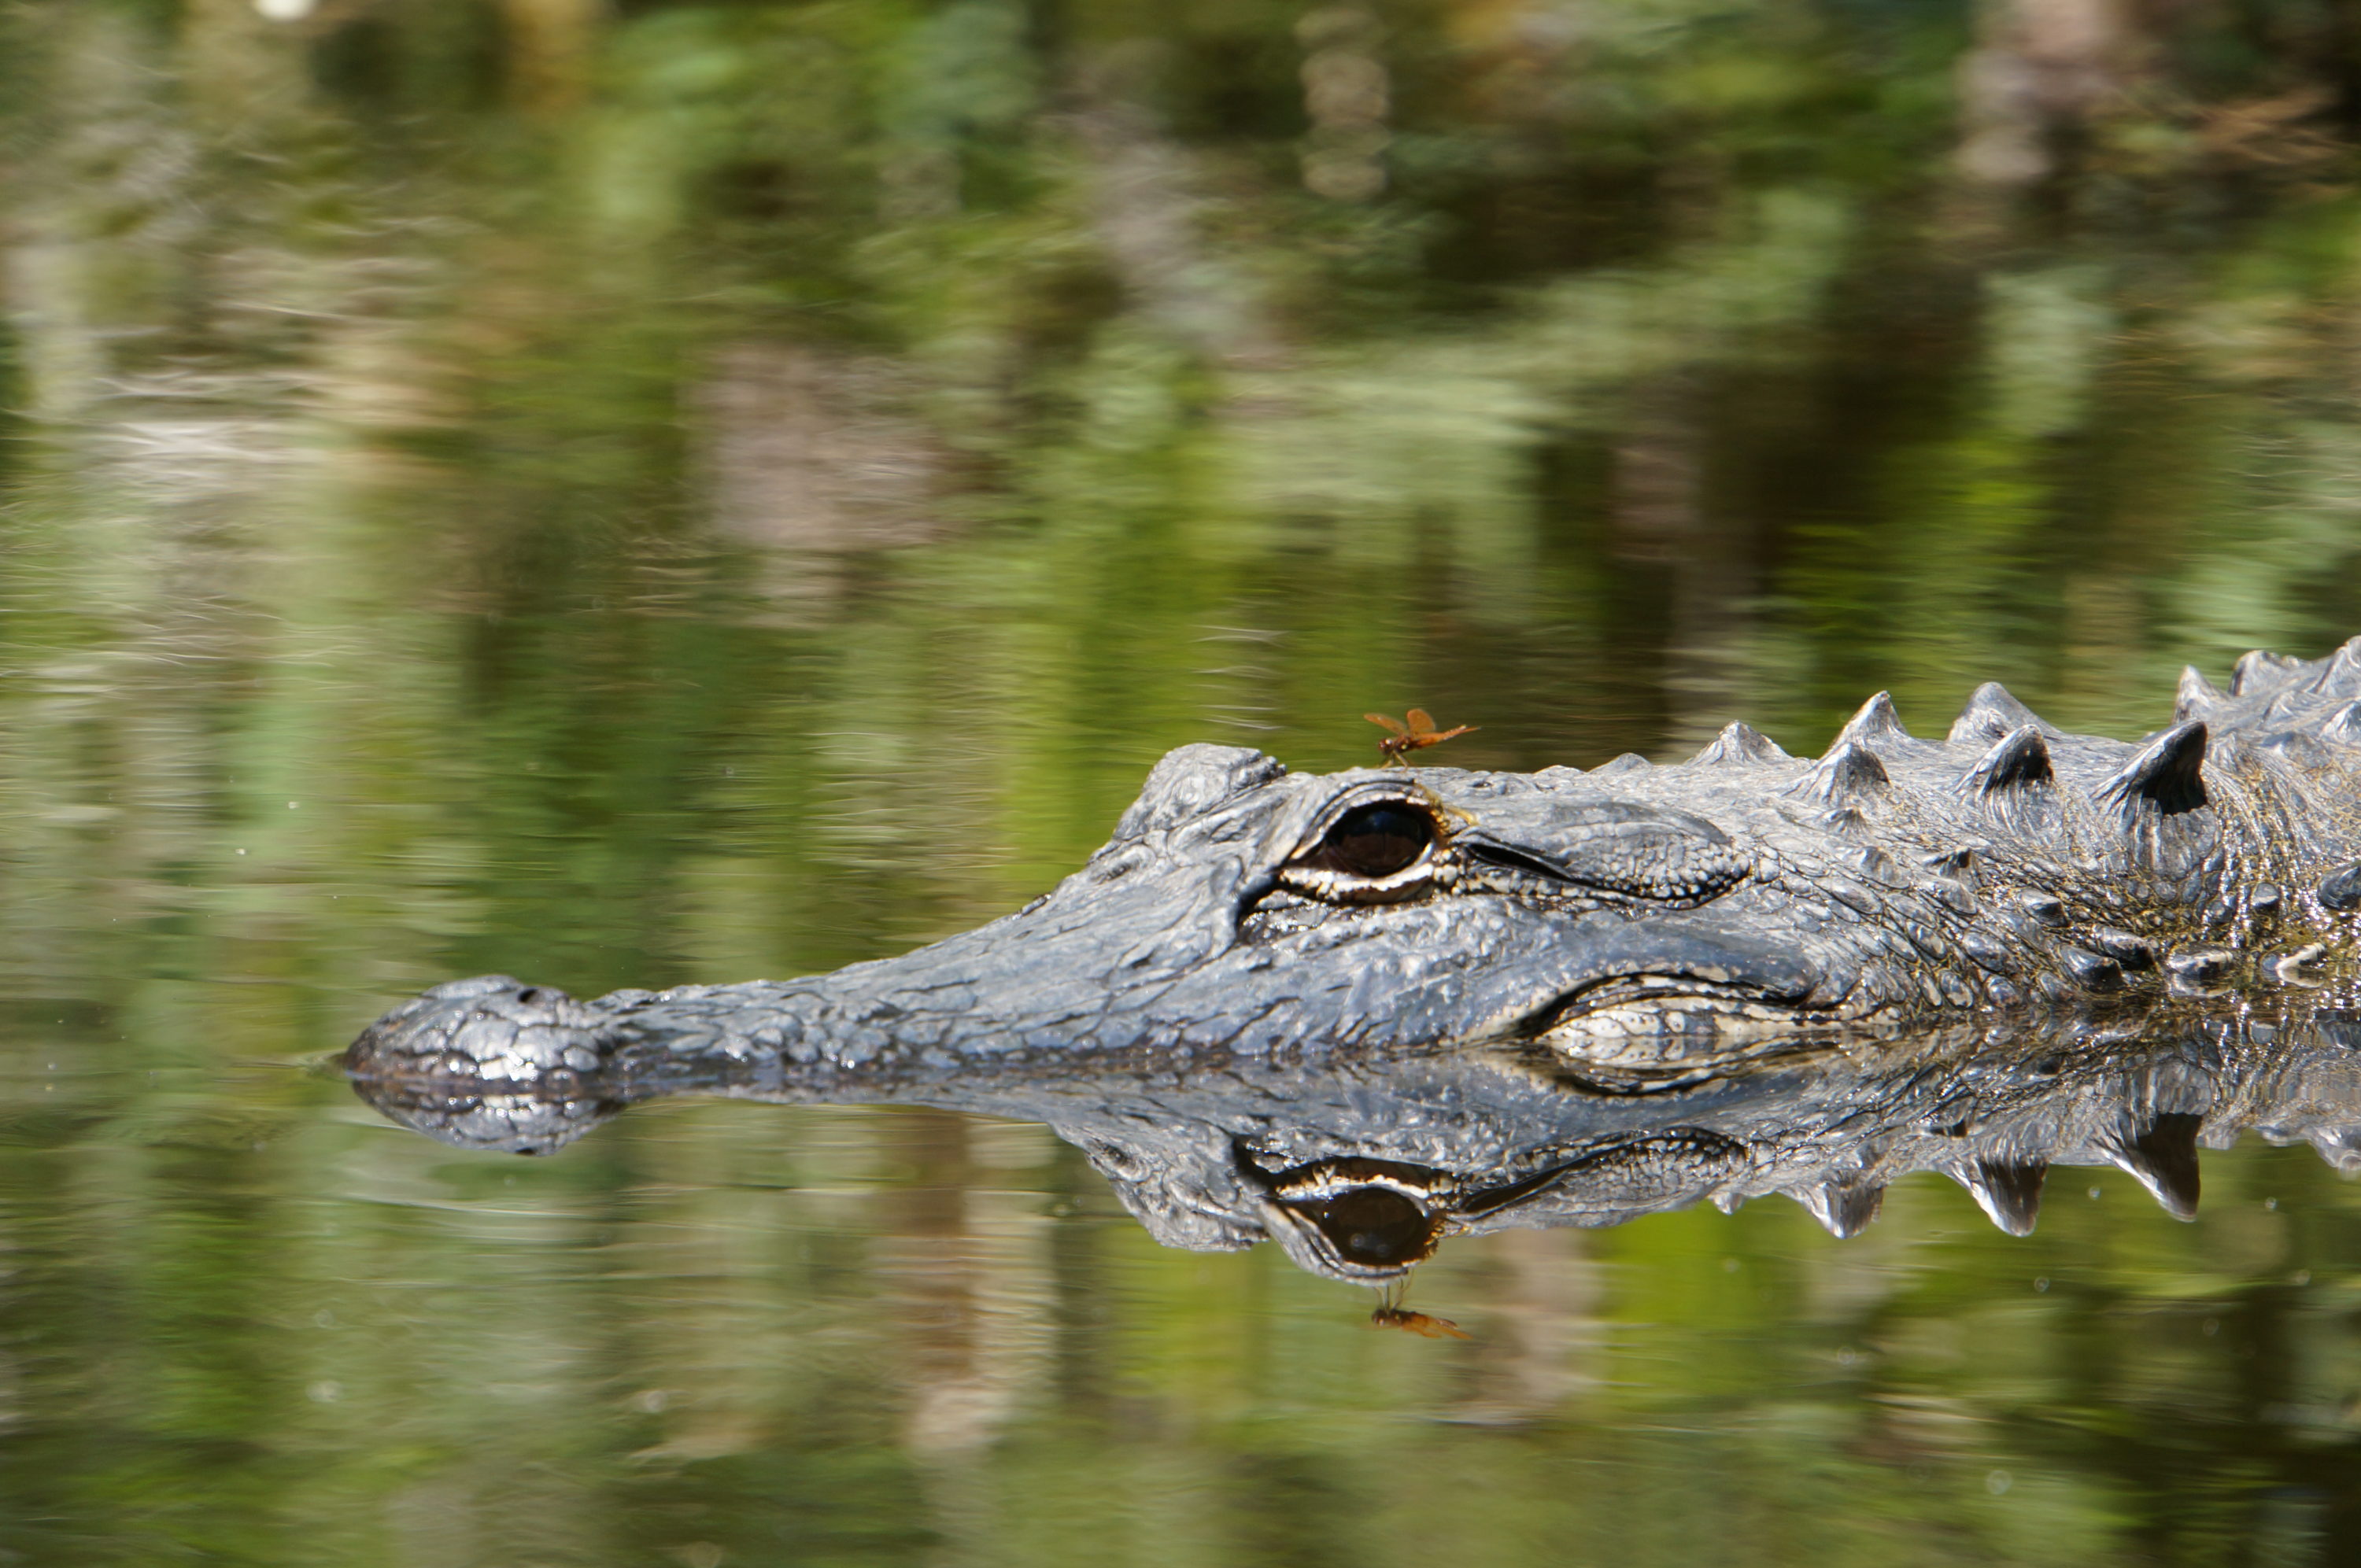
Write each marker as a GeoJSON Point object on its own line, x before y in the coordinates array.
{"type": "Point", "coordinates": [2012, 860]}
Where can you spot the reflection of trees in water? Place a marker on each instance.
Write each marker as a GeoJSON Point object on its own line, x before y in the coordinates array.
{"type": "Point", "coordinates": [2044, 67]}
{"type": "Point", "coordinates": [693, 490]}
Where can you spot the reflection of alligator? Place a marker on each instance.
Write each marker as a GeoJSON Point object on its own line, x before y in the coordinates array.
{"type": "Point", "coordinates": [1353, 1011]}
{"type": "Point", "coordinates": [1648, 924]}
{"type": "Point", "coordinates": [1359, 1164]}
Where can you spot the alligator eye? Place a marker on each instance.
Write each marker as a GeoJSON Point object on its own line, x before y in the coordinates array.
{"type": "Point", "coordinates": [1374, 842]}
{"type": "Point", "coordinates": [1380, 851]}
{"type": "Point", "coordinates": [1375, 1227]}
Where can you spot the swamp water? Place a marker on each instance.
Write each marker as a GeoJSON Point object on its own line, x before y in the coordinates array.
{"type": "Point", "coordinates": [654, 493]}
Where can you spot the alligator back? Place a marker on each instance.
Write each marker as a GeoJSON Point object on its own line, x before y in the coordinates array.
{"type": "Point", "coordinates": [2016, 860]}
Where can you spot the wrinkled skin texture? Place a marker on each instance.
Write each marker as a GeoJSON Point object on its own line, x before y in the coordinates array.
{"type": "Point", "coordinates": [1632, 928]}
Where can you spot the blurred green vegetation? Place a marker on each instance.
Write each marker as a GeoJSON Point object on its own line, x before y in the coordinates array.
{"type": "Point", "coordinates": [641, 492]}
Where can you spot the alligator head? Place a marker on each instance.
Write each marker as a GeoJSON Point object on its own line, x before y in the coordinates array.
{"type": "Point", "coordinates": [1241, 910]}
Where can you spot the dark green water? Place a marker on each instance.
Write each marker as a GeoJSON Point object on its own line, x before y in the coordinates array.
{"type": "Point", "coordinates": [643, 493]}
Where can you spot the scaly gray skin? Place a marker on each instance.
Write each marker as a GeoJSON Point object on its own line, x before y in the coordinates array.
{"type": "Point", "coordinates": [1643, 925]}
{"type": "Point", "coordinates": [1359, 1166]}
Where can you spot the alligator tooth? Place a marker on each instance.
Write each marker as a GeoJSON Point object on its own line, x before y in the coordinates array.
{"type": "Point", "coordinates": [2019, 760]}
{"type": "Point", "coordinates": [1874, 721]}
{"type": "Point", "coordinates": [2196, 697]}
{"type": "Point", "coordinates": [1844, 1207]}
{"type": "Point", "coordinates": [1727, 1201]}
{"type": "Point", "coordinates": [2341, 677]}
{"type": "Point", "coordinates": [1848, 775]}
{"type": "Point", "coordinates": [2341, 890]}
{"type": "Point", "coordinates": [2010, 1194]}
{"type": "Point", "coordinates": [1739, 744]}
{"type": "Point", "coordinates": [2259, 672]}
{"type": "Point", "coordinates": [2163, 1160]}
{"type": "Point", "coordinates": [1991, 713]}
{"type": "Point", "coordinates": [2167, 774]}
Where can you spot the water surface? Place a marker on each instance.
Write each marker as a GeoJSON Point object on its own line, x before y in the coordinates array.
{"type": "Point", "coordinates": [657, 493]}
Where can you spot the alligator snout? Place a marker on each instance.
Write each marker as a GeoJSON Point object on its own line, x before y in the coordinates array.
{"type": "Point", "coordinates": [491, 1029]}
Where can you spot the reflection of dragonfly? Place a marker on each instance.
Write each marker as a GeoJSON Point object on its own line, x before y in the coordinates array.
{"type": "Point", "coordinates": [1389, 1313]}
{"type": "Point", "coordinates": [1415, 735]}
{"type": "Point", "coordinates": [1416, 1323]}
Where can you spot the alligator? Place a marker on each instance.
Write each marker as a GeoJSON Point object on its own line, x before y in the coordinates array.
{"type": "Point", "coordinates": [1645, 924]}
{"type": "Point", "coordinates": [1627, 932]}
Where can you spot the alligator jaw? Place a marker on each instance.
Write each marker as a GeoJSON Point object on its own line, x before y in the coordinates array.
{"type": "Point", "coordinates": [972, 1002]}
{"type": "Point", "coordinates": [1652, 1006]}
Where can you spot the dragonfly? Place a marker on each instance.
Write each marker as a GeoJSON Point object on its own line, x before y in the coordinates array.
{"type": "Point", "coordinates": [1414, 731]}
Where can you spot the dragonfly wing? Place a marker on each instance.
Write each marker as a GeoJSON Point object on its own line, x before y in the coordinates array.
{"type": "Point", "coordinates": [1420, 721]}
{"type": "Point", "coordinates": [1393, 724]}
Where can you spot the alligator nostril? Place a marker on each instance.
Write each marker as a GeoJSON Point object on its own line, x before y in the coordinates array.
{"type": "Point", "coordinates": [530, 994]}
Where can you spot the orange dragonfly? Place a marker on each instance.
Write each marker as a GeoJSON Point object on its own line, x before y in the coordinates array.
{"type": "Point", "coordinates": [1417, 1323]}
{"type": "Point", "coordinates": [1414, 731]}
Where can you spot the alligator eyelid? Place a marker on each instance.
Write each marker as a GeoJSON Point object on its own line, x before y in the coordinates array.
{"type": "Point", "coordinates": [1419, 800]}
